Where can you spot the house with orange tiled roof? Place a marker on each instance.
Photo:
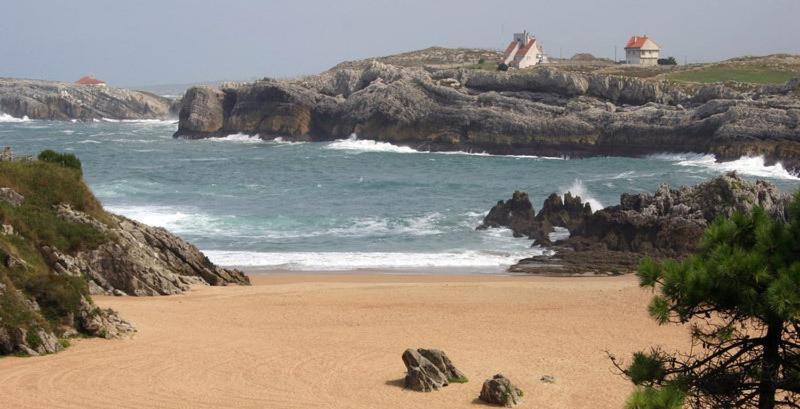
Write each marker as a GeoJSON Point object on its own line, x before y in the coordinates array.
{"type": "Point", "coordinates": [641, 50]}
{"type": "Point", "coordinates": [523, 51]}
{"type": "Point", "coordinates": [90, 80]}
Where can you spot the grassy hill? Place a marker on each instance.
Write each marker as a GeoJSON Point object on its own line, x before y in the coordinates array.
{"type": "Point", "coordinates": [26, 275]}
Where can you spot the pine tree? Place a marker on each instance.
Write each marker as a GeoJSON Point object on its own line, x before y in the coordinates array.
{"type": "Point", "coordinates": [740, 295]}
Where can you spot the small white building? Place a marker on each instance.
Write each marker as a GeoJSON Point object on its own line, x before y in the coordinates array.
{"type": "Point", "coordinates": [641, 50]}
{"type": "Point", "coordinates": [524, 51]}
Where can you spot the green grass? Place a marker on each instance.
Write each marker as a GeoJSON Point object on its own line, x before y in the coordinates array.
{"type": "Point", "coordinates": [752, 75]}
{"type": "Point", "coordinates": [488, 65]}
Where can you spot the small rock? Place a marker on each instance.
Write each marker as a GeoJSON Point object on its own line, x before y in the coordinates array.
{"type": "Point", "coordinates": [443, 363]}
{"type": "Point", "coordinates": [548, 379]}
{"type": "Point", "coordinates": [11, 197]}
{"type": "Point", "coordinates": [499, 390]}
{"type": "Point", "coordinates": [118, 293]}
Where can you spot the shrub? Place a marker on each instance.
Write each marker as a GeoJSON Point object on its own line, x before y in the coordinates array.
{"type": "Point", "coordinates": [502, 67]}
{"type": "Point", "coordinates": [64, 159]}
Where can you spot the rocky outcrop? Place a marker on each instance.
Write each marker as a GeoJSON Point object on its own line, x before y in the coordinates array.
{"type": "Point", "coordinates": [672, 221]}
{"type": "Point", "coordinates": [38, 99]}
{"type": "Point", "coordinates": [668, 223]}
{"type": "Point", "coordinates": [498, 390]}
{"type": "Point", "coordinates": [11, 197]}
{"type": "Point", "coordinates": [429, 369]}
{"type": "Point", "coordinates": [140, 260]}
{"type": "Point", "coordinates": [569, 212]}
{"type": "Point", "coordinates": [519, 215]}
{"type": "Point", "coordinates": [545, 111]}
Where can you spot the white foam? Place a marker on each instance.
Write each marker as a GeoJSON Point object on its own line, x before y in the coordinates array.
{"type": "Point", "coordinates": [238, 137]}
{"type": "Point", "coordinates": [748, 165]}
{"type": "Point", "coordinates": [327, 261]}
{"type": "Point", "coordinates": [176, 220]}
{"type": "Point", "coordinates": [142, 121]}
{"type": "Point", "coordinates": [279, 140]}
{"type": "Point", "coordinates": [578, 189]}
{"type": "Point", "coordinates": [365, 145]}
{"type": "Point", "coordinates": [9, 118]}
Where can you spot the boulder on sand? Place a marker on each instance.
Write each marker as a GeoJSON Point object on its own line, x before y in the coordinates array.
{"type": "Point", "coordinates": [499, 390]}
{"type": "Point", "coordinates": [429, 370]}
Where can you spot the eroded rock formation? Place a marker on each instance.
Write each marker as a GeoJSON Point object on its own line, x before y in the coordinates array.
{"type": "Point", "coordinates": [498, 390]}
{"type": "Point", "coordinates": [668, 223]}
{"type": "Point", "coordinates": [38, 99]}
{"type": "Point", "coordinates": [429, 369]}
{"type": "Point", "coordinates": [141, 260]}
{"type": "Point", "coordinates": [543, 111]}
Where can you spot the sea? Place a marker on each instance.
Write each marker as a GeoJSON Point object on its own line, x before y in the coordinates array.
{"type": "Point", "coordinates": [349, 204]}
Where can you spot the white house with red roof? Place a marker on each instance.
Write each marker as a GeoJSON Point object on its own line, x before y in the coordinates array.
{"type": "Point", "coordinates": [524, 51]}
{"type": "Point", "coordinates": [641, 50]}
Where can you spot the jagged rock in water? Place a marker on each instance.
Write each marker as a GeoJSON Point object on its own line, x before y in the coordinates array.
{"type": "Point", "coordinates": [671, 222]}
{"type": "Point", "coordinates": [421, 374]}
{"type": "Point", "coordinates": [568, 213]}
{"type": "Point", "coordinates": [518, 215]}
{"type": "Point", "coordinates": [499, 390]}
{"type": "Point", "coordinates": [11, 197]}
{"type": "Point", "coordinates": [141, 260]}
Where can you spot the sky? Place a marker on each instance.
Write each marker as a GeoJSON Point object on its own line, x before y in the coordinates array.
{"type": "Point", "coordinates": [148, 42]}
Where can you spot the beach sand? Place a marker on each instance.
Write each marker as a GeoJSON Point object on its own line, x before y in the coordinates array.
{"type": "Point", "coordinates": [335, 340]}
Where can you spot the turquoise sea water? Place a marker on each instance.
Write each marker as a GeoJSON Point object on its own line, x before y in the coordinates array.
{"type": "Point", "coordinates": [346, 204]}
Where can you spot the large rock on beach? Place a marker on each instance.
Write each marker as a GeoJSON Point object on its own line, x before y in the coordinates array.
{"type": "Point", "coordinates": [429, 369]}
{"type": "Point", "coordinates": [498, 390]}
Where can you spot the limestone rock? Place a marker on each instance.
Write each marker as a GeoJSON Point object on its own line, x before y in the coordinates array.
{"type": "Point", "coordinates": [439, 359]}
{"type": "Point", "coordinates": [141, 260]}
{"type": "Point", "coordinates": [102, 323]}
{"type": "Point", "coordinates": [568, 213]}
{"type": "Point", "coordinates": [11, 197]}
{"type": "Point", "coordinates": [429, 369]}
{"type": "Point", "coordinates": [499, 390]}
{"type": "Point", "coordinates": [53, 100]}
{"type": "Point", "coordinates": [543, 111]}
{"type": "Point", "coordinates": [518, 215]}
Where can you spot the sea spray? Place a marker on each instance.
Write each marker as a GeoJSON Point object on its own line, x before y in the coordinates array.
{"type": "Point", "coordinates": [577, 188]}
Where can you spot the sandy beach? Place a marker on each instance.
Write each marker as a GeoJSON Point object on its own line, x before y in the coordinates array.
{"type": "Point", "coordinates": [335, 340]}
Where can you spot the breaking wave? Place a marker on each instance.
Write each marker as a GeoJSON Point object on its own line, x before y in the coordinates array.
{"type": "Point", "coordinates": [9, 118]}
{"type": "Point", "coordinates": [365, 145]}
{"type": "Point", "coordinates": [577, 188]}
{"type": "Point", "coordinates": [238, 137]}
{"type": "Point", "coordinates": [333, 261]}
{"type": "Point", "coordinates": [748, 165]}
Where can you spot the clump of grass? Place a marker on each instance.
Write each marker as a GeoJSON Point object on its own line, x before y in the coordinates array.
{"type": "Point", "coordinates": [457, 379]}
{"type": "Point", "coordinates": [64, 159]}
{"type": "Point", "coordinates": [746, 74]}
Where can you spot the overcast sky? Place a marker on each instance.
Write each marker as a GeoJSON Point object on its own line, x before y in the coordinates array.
{"type": "Point", "coordinates": [147, 42]}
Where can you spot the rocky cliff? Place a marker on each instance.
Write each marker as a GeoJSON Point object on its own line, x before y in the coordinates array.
{"type": "Point", "coordinates": [64, 101]}
{"type": "Point", "coordinates": [668, 223]}
{"type": "Point", "coordinates": [58, 247]}
{"type": "Point", "coordinates": [543, 111]}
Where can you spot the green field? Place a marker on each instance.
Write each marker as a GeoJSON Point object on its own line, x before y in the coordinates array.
{"type": "Point", "coordinates": [753, 75]}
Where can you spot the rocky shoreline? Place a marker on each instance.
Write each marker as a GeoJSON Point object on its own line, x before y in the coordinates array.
{"type": "Point", "coordinates": [544, 111]}
{"type": "Point", "coordinates": [52, 100]}
{"type": "Point", "coordinates": [58, 247]}
{"type": "Point", "coordinates": [613, 240]}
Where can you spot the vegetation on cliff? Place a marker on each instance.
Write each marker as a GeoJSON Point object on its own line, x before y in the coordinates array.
{"type": "Point", "coordinates": [58, 247]}
{"type": "Point", "coordinates": [740, 294]}
{"type": "Point", "coordinates": [26, 276]}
